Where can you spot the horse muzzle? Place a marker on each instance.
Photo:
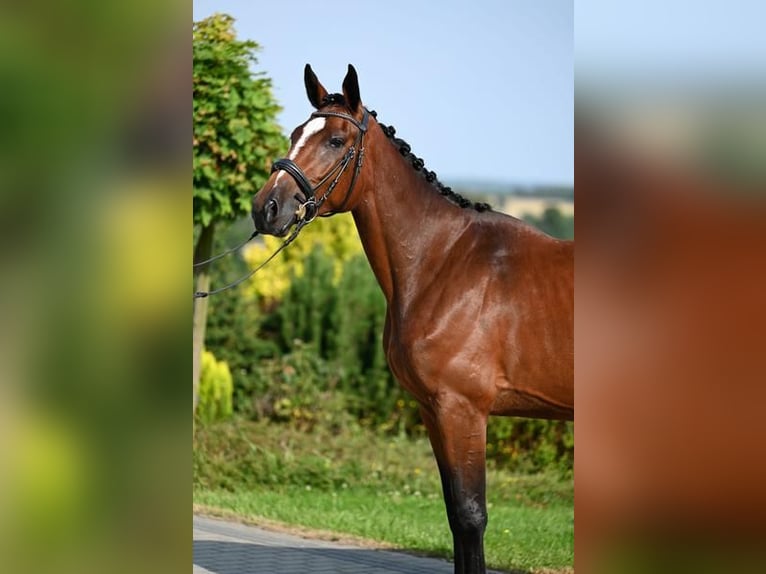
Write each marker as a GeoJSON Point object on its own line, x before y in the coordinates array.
{"type": "Point", "coordinates": [273, 215]}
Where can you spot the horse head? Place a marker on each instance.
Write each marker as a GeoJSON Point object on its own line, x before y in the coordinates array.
{"type": "Point", "coordinates": [320, 172]}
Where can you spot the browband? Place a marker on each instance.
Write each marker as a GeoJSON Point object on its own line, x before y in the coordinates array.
{"type": "Point", "coordinates": [361, 126]}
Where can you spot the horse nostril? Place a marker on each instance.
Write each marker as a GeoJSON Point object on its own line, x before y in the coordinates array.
{"type": "Point", "coordinates": [270, 210]}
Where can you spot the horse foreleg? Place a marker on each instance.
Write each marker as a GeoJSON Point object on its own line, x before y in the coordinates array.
{"type": "Point", "coordinates": [458, 436]}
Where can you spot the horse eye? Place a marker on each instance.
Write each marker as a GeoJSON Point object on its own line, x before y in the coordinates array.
{"type": "Point", "coordinates": [336, 142]}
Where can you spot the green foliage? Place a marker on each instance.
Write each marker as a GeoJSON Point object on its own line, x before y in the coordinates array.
{"type": "Point", "coordinates": [239, 455]}
{"type": "Point", "coordinates": [235, 333]}
{"type": "Point", "coordinates": [531, 445]}
{"type": "Point", "coordinates": [343, 323]}
{"type": "Point", "coordinates": [236, 136]}
{"type": "Point", "coordinates": [554, 223]}
{"type": "Point", "coordinates": [357, 322]}
{"type": "Point", "coordinates": [298, 388]}
{"type": "Point", "coordinates": [306, 307]}
{"type": "Point", "coordinates": [336, 235]}
{"type": "Point", "coordinates": [215, 390]}
{"type": "Point", "coordinates": [356, 345]}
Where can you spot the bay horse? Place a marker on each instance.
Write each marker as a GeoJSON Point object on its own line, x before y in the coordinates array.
{"type": "Point", "coordinates": [480, 305]}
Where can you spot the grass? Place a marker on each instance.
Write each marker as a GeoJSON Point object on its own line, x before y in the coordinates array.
{"type": "Point", "coordinates": [378, 488]}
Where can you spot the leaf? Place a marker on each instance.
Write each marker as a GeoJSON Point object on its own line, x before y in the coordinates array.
{"type": "Point", "coordinates": [205, 217]}
{"type": "Point", "coordinates": [235, 125]}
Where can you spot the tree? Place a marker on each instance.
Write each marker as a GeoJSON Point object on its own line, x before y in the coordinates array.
{"type": "Point", "coordinates": [236, 138]}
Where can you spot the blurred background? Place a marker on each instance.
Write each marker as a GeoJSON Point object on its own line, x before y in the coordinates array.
{"type": "Point", "coordinates": [94, 135]}
{"type": "Point", "coordinates": [670, 163]}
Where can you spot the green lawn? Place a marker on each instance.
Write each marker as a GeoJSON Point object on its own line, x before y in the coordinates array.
{"type": "Point", "coordinates": [519, 536]}
{"type": "Point", "coordinates": [376, 487]}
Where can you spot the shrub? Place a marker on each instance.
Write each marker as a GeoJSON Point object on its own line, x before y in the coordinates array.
{"type": "Point", "coordinates": [298, 388]}
{"type": "Point", "coordinates": [530, 445]}
{"type": "Point", "coordinates": [344, 325]}
{"type": "Point", "coordinates": [305, 310]}
{"type": "Point", "coordinates": [241, 455]}
{"type": "Point", "coordinates": [337, 235]}
{"type": "Point", "coordinates": [235, 328]}
{"type": "Point", "coordinates": [215, 390]}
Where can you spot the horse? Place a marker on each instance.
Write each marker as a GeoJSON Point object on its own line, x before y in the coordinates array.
{"type": "Point", "coordinates": [480, 305]}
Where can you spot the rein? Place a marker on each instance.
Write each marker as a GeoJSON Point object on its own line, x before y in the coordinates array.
{"type": "Point", "coordinates": [288, 241]}
{"type": "Point", "coordinates": [235, 248]}
{"type": "Point", "coordinates": [308, 210]}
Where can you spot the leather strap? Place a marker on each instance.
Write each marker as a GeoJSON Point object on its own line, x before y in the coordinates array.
{"type": "Point", "coordinates": [310, 208]}
{"type": "Point", "coordinates": [297, 174]}
{"type": "Point", "coordinates": [361, 126]}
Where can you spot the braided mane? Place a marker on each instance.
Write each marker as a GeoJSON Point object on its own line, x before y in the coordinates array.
{"type": "Point", "coordinates": [417, 163]}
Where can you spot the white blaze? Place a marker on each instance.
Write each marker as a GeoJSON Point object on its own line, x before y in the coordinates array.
{"type": "Point", "coordinates": [314, 126]}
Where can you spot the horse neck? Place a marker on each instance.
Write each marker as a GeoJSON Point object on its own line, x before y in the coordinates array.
{"type": "Point", "coordinates": [401, 218]}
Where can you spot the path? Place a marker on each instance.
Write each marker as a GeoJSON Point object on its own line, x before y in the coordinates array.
{"type": "Point", "coordinates": [222, 547]}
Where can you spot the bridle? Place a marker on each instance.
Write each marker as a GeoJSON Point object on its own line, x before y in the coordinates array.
{"type": "Point", "coordinates": [308, 210]}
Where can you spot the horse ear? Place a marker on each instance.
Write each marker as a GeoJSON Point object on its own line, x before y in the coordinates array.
{"type": "Point", "coordinates": [314, 89]}
{"type": "Point", "coordinates": [351, 89]}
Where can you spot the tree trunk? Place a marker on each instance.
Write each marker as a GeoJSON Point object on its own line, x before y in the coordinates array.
{"type": "Point", "coordinates": [202, 251]}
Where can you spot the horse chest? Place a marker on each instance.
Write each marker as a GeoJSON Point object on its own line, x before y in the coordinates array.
{"type": "Point", "coordinates": [410, 361]}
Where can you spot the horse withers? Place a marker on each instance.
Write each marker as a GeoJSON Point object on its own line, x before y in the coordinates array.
{"type": "Point", "coordinates": [480, 305]}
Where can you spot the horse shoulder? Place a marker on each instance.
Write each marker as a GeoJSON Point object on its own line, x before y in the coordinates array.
{"type": "Point", "coordinates": [434, 339]}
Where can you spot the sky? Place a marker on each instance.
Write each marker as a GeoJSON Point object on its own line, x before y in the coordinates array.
{"type": "Point", "coordinates": [662, 41]}
{"type": "Point", "coordinates": [481, 90]}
